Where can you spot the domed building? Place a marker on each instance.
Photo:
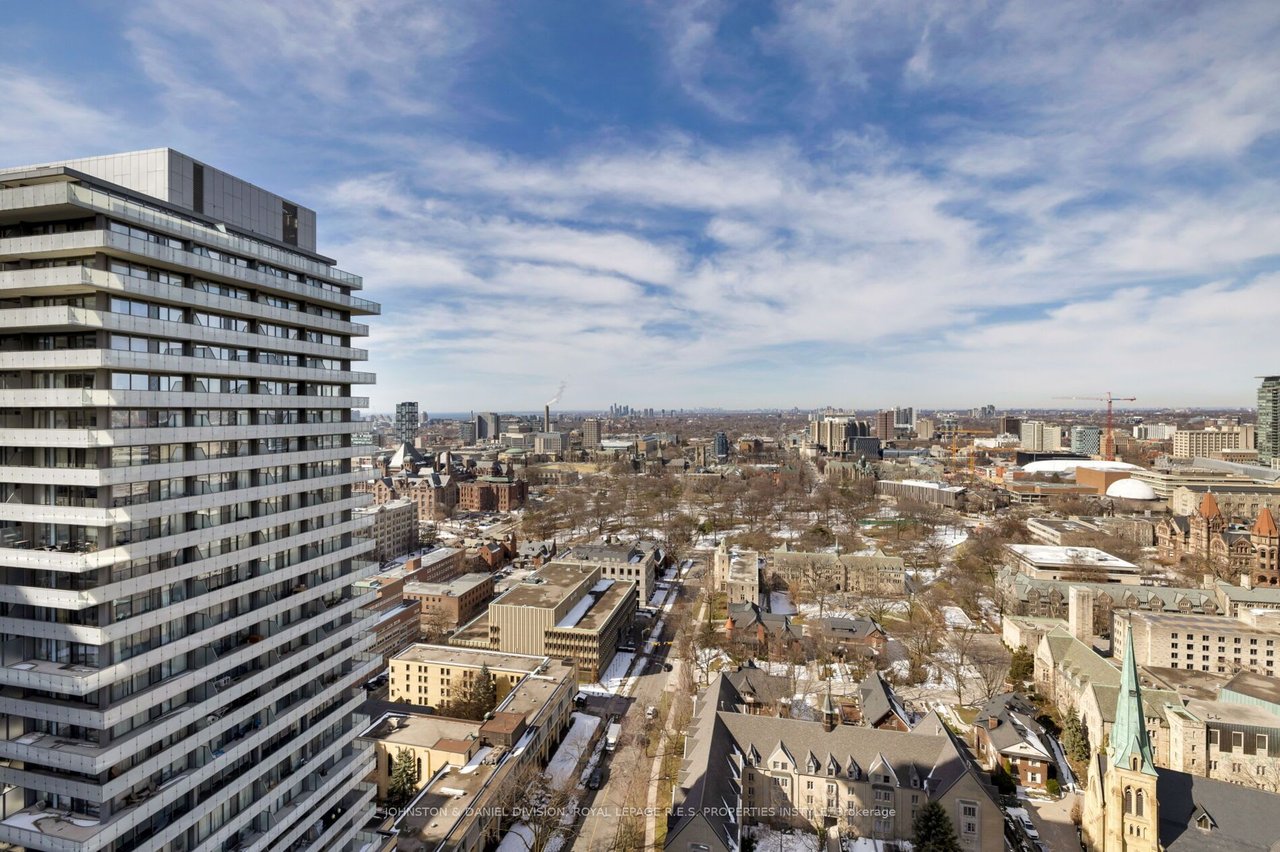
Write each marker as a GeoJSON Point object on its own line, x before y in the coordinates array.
{"type": "Point", "coordinates": [1131, 489]}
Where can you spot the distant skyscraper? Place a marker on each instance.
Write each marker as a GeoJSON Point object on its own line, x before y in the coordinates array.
{"type": "Point", "coordinates": [722, 445]}
{"type": "Point", "coordinates": [1040, 437]}
{"type": "Point", "coordinates": [1009, 425]}
{"type": "Point", "coordinates": [467, 432]}
{"type": "Point", "coordinates": [1268, 434]}
{"type": "Point", "coordinates": [181, 632]}
{"type": "Point", "coordinates": [886, 425]}
{"type": "Point", "coordinates": [904, 418]}
{"type": "Point", "coordinates": [406, 421]}
{"type": "Point", "coordinates": [1086, 440]}
{"type": "Point", "coordinates": [591, 433]}
{"type": "Point", "coordinates": [488, 426]}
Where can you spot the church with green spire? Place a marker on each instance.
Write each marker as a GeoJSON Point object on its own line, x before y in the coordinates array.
{"type": "Point", "coordinates": [1129, 806]}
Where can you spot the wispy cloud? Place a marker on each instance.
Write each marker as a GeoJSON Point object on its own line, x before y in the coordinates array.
{"type": "Point", "coordinates": [804, 202]}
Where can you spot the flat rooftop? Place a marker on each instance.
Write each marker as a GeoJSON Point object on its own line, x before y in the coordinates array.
{"type": "Point", "coordinates": [1053, 556]}
{"type": "Point", "coordinates": [1254, 685]}
{"type": "Point", "coordinates": [1195, 621]}
{"type": "Point", "coordinates": [421, 730]}
{"type": "Point", "coordinates": [444, 655]}
{"type": "Point", "coordinates": [547, 586]}
{"type": "Point", "coordinates": [605, 603]}
{"type": "Point", "coordinates": [455, 587]}
{"type": "Point", "coordinates": [1232, 713]}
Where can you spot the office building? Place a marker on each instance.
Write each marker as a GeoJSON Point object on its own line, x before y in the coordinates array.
{"type": "Point", "coordinates": [488, 426]}
{"type": "Point", "coordinates": [1193, 443]}
{"type": "Point", "coordinates": [1268, 434]}
{"type": "Point", "coordinates": [1086, 440]}
{"type": "Point", "coordinates": [638, 562]}
{"type": "Point", "coordinates": [591, 434]}
{"type": "Point", "coordinates": [721, 445]}
{"type": "Point", "coordinates": [562, 611]}
{"type": "Point", "coordinates": [406, 424]}
{"type": "Point", "coordinates": [182, 634]}
{"type": "Point", "coordinates": [905, 418]}
{"type": "Point", "coordinates": [467, 433]}
{"type": "Point", "coordinates": [925, 429]}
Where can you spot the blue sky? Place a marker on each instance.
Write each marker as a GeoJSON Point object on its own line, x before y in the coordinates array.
{"type": "Point", "coordinates": [729, 204]}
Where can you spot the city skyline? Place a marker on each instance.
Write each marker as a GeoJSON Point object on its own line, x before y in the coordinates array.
{"type": "Point", "coordinates": [726, 207]}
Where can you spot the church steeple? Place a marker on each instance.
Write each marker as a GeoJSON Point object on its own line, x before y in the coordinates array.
{"type": "Point", "coordinates": [1130, 746]}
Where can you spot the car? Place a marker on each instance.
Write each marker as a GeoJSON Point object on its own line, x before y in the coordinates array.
{"type": "Point", "coordinates": [595, 779]}
{"type": "Point", "coordinates": [666, 667]}
{"type": "Point", "coordinates": [650, 712]}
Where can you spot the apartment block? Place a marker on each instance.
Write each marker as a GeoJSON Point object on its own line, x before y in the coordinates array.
{"type": "Point", "coordinates": [1268, 434]}
{"type": "Point", "coordinates": [178, 535]}
{"type": "Point", "coordinates": [406, 422]}
{"type": "Point", "coordinates": [1193, 443]}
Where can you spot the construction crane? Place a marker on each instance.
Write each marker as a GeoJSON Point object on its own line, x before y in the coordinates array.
{"type": "Point", "coordinates": [1109, 442]}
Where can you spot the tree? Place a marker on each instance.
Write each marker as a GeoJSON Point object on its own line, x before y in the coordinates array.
{"type": "Point", "coordinates": [404, 778]}
{"type": "Point", "coordinates": [1053, 788]}
{"type": "Point", "coordinates": [1021, 666]}
{"type": "Point", "coordinates": [477, 696]}
{"type": "Point", "coordinates": [933, 830]}
{"type": "Point", "coordinates": [1075, 739]}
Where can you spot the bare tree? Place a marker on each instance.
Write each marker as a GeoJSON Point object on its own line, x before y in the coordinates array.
{"type": "Point", "coordinates": [959, 644]}
{"type": "Point", "coordinates": [536, 803]}
{"type": "Point", "coordinates": [990, 663]}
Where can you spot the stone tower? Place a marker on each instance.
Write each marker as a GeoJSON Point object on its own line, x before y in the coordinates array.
{"type": "Point", "coordinates": [1080, 613]}
{"type": "Point", "coordinates": [1265, 538]}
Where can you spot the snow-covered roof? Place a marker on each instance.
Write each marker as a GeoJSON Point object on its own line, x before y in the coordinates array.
{"type": "Point", "coordinates": [1069, 465]}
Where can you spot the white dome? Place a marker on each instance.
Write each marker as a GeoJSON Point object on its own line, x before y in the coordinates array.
{"type": "Point", "coordinates": [1131, 489]}
{"type": "Point", "coordinates": [1069, 465]}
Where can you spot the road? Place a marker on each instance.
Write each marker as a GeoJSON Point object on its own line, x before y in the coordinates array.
{"type": "Point", "coordinates": [1053, 821]}
{"type": "Point", "coordinates": [629, 771]}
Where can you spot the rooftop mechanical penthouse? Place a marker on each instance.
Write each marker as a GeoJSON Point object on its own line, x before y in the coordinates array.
{"type": "Point", "coordinates": [180, 635]}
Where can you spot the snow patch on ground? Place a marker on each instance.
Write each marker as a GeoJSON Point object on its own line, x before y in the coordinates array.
{"type": "Point", "coordinates": [614, 677]}
{"type": "Point", "coordinates": [780, 603]}
{"type": "Point", "coordinates": [574, 744]}
{"type": "Point", "coordinates": [776, 841]}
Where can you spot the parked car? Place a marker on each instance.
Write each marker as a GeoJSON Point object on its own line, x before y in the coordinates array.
{"type": "Point", "coordinates": [650, 712]}
{"type": "Point", "coordinates": [596, 779]}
